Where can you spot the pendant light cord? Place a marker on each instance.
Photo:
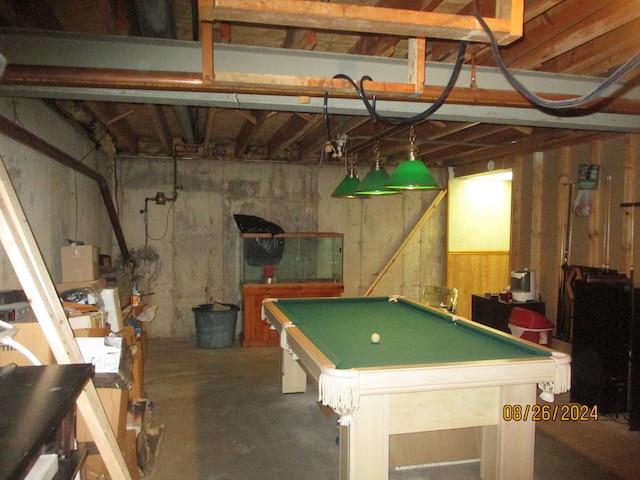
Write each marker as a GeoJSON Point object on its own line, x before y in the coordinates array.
{"type": "Point", "coordinates": [536, 100]}
{"type": "Point", "coordinates": [371, 106]}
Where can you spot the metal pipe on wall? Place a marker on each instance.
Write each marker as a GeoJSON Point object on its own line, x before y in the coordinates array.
{"type": "Point", "coordinates": [85, 77]}
{"type": "Point", "coordinates": [12, 130]}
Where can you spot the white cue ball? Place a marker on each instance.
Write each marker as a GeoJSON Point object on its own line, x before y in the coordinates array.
{"type": "Point", "coordinates": [375, 338]}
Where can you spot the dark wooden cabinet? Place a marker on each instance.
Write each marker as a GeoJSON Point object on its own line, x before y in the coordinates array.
{"type": "Point", "coordinates": [601, 343]}
{"type": "Point", "coordinates": [634, 366]}
{"type": "Point", "coordinates": [598, 315]}
{"type": "Point", "coordinates": [37, 411]}
{"type": "Point", "coordinates": [257, 333]}
{"type": "Point", "coordinates": [494, 313]}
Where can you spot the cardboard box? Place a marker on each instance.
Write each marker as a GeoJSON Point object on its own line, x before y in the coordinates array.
{"type": "Point", "coordinates": [31, 336]}
{"type": "Point", "coordinates": [94, 467]}
{"type": "Point", "coordinates": [79, 263]}
{"type": "Point", "coordinates": [112, 359]}
{"type": "Point", "coordinates": [89, 320]}
{"type": "Point", "coordinates": [97, 285]}
{"type": "Point", "coordinates": [92, 332]}
{"type": "Point", "coordinates": [114, 401]}
{"type": "Point", "coordinates": [129, 335]}
{"type": "Point", "coordinates": [137, 387]}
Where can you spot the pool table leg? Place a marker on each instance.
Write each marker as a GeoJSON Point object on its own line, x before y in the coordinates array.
{"type": "Point", "coordinates": [508, 448]}
{"type": "Point", "coordinates": [293, 379]}
{"type": "Point", "coordinates": [364, 445]}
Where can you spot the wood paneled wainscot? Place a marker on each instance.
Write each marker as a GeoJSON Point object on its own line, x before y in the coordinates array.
{"type": "Point", "coordinates": [258, 333]}
{"type": "Point", "coordinates": [472, 272]}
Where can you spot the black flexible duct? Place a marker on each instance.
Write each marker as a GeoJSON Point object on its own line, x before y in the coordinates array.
{"type": "Point", "coordinates": [554, 104]}
{"type": "Point", "coordinates": [532, 97]}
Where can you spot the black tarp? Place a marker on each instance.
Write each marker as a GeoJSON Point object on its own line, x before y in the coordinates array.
{"type": "Point", "coordinates": [260, 251]}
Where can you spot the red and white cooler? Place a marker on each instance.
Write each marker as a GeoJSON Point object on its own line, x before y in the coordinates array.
{"type": "Point", "coordinates": [530, 325]}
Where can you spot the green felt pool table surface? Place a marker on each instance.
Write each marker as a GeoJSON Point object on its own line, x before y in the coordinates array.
{"type": "Point", "coordinates": [410, 334]}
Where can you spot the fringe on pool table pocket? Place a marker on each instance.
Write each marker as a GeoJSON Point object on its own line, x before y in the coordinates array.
{"type": "Point", "coordinates": [562, 381]}
{"type": "Point", "coordinates": [340, 389]}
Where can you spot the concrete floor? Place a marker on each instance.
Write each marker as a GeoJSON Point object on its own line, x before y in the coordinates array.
{"type": "Point", "coordinates": [227, 420]}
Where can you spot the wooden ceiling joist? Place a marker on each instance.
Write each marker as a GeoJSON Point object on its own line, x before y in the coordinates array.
{"type": "Point", "coordinates": [121, 130]}
{"type": "Point", "coordinates": [587, 26]}
{"type": "Point", "coordinates": [300, 39]}
{"type": "Point", "coordinates": [507, 26]}
{"type": "Point", "coordinates": [249, 128]}
{"type": "Point", "coordinates": [208, 131]}
{"type": "Point", "coordinates": [567, 42]}
{"type": "Point", "coordinates": [161, 128]}
{"type": "Point", "coordinates": [417, 62]}
{"type": "Point", "coordinates": [289, 133]}
{"type": "Point", "coordinates": [315, 138]}
{"type": "Point", "coordinates": [550, 139]}
{"type": "Point", "coordinates": [535, 8]}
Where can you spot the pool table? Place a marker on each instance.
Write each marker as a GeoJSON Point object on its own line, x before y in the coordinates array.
{"type": "Point", "coordinates": [430, 371]}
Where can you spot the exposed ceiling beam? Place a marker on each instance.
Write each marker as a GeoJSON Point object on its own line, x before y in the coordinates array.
{"type": "Point", "coordinates": [300, 39]}
{"type": "Point", "coordinates": [549, 37]}
{"type": "Point", "coordinates": [551, 139]}
{"type": "Point", "coordinates": [590, 60]}
{"type": "Point", "coordinates": [316, 138]}
{"type": "Point", "coordinates": [536, 8]}
{"type": "Point", "coordinates": [144, 58]}
{"type": "Point", "coordinates": [383, 45]}
{"type": "Point", "coordinates": [81, 78]}
{"type": "Point", "coordinates": [161, 128]}
{"type": "Point", "coordinates": [343, 106]}
{"type": "Point", "coordinates": [365, 19]}
{"type": "Point", "coordinates": [249, 128]}
{"type": "Point", "coordinates": [119, 129]}
{"type": "Point", "coordinates": [208, 131]}
{"type": "Point", "coordinates": [140, 55]}
{"type": "Point", "coordinates": [99, 132]}
{"type": "Point", "coordinates": [290, 132]}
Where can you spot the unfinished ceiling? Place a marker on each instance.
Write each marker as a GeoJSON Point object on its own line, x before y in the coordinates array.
{"type": "Point", "coordinates": [257, 80]}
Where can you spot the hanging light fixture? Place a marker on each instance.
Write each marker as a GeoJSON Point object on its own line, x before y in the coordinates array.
{"type": "Point", "coordinates": [348, 186]}
{"type": "Point", "coordinates": [374, 182]}
{"type": "Point", "coordinates": [411, 174]}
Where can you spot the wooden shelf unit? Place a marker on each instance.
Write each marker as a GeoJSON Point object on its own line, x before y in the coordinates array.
{"type": "Point", "coordinates": [257, 333]}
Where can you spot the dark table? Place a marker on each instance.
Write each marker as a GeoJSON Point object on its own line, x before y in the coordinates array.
{"type": "Point", "coordinates": [34, 402]}
{"type": "Point", "coordinates": [494, 313]}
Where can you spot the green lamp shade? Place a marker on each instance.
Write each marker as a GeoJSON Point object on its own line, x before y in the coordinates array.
{"type": "Point", "coordinates": [411, 175]}
{"type": "Point", "coordinates": [374, 182]}
{"type": "Point", "coordinates": [348, 186]}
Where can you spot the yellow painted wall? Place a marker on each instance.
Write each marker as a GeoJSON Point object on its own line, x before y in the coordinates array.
{"type": "Point", "coordinates": [479, 215]}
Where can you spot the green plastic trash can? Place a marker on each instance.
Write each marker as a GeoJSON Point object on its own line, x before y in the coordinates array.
{"type": "Point", "coordinates": [215, 324]}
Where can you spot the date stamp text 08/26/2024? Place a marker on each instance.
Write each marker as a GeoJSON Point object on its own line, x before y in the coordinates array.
{"type": "Point", "coordinates": [545, 413]}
